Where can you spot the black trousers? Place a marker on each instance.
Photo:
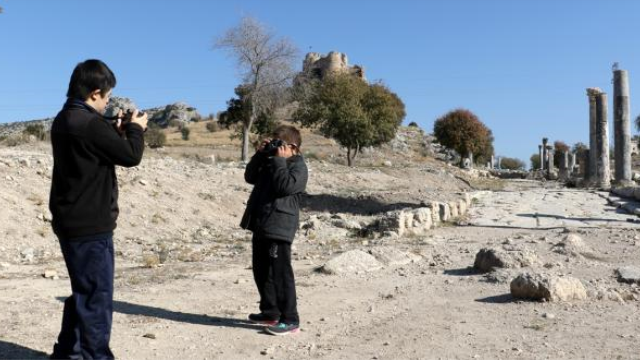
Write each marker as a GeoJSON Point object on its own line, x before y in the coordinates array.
{"type": "Point", "coordinates": [273, 274]}
{"type": "Point", "coordinates": [87, 317]}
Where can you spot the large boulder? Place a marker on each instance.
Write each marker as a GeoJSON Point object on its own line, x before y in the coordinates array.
{"type": "Point", "coordinates": [179, 112]}
{"type": "Point", "coordinates": [549, 288]}
{"type": "Point", "coordinates": [119, 103]}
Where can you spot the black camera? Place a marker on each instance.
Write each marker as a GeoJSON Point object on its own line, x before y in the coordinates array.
{"type": "Point", "coordinates": [272, 147]}
{"type": "Point", "coordinates": [128, 116]}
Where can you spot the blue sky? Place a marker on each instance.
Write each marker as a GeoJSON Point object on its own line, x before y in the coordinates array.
{"type": "Point", "coordinates": [521, 66]}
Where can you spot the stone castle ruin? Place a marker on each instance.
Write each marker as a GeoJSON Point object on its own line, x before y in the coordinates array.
{"type": "Point", "coordinates": [316, 66]}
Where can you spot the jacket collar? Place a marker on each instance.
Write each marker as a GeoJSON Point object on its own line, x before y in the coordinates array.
{"type": "Point", "coordinates": [76, 104]}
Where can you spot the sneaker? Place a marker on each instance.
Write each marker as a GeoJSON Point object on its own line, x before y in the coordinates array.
{"type": "Point", "coordinates": [283, 329]}
{"type": "Point", "coordinates": [262, 319]}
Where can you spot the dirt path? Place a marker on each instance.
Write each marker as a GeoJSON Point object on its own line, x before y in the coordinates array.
{"type": "Point", "coordinates": [436, 308]}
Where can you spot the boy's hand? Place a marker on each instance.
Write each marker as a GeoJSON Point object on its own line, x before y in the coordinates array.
{"type": "Point", "coordinates": [263, 144]}
{"type": "Point", "coordinates": [284, 151]}
{"type": "Point", "coordinates": [142, 120]}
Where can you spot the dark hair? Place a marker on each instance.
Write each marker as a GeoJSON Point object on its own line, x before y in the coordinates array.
{"type": "Point", "coordinates": [289, 134]}
{"type": "Point", "coordinates": [89, 76]}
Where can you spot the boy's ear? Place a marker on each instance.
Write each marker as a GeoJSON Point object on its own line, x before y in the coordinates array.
{"type": "Point", "coordinates": [94, 95]}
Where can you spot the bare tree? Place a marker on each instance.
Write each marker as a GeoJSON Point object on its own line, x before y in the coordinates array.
{"type": "Point", "coordinates": [266, 66]}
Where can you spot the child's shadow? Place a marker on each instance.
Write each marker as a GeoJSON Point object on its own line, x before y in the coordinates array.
{"type": "Point", "coordinates": [14, 352]}
{"type": "Point", "coordinates": [124, 307]}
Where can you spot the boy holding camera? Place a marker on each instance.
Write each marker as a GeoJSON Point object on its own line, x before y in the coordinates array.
{"type": "Point", "coordinates": [279, 175]}
{"type": "Point", "coordinates": [84, 204]}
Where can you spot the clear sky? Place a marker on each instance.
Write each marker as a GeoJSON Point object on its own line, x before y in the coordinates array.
{"type": "Point", "coordinates": [521, 66]}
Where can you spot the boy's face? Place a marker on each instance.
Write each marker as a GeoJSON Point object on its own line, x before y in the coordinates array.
{"type": "Point", "coordinates": [99, 102]}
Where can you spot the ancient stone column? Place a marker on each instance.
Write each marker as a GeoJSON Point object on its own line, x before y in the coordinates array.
{"type": "Point", "coordinates": [621, 128]}
{"type": "Point", "coordinates": [564, 166]}
{"type": "Point", "coordinates": [603, 172]}
{"type": "Point", "coordinates": [545, 153]}
{"type": "Point", "coordinates": [493, 162]}
{"type": "Point", "coordinates": [541, 157]}
{"type": "Point", "coordinates": [591, 174]}
{"type": "Point", "coordinates": [500, 162]}
{"type": "Point", "coordinates": [550, 167]}
{"type": "Point", "coordinates": [572, 163]}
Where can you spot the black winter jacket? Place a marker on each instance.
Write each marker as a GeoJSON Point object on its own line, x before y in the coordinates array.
{"type": "Point", "coordinates": [84, 188]}
{"type": "Point", "coordinates": [273, 209]}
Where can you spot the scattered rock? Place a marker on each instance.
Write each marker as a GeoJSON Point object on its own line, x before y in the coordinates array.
{"type": "Point", "coordinates": [629, 274]}
{"type": "Point", "coordinates": [489, 259]}
{"type": "Point", "coordinates": [391, 256]}
{"type": "Point", "coordinates": [50, 274]}
{"type": "Point", "coordinates": [149, 336]}
{"type": "Point", "coordinates": [573, 245]}
{"type": "Point", "coordinates": [546, 287]}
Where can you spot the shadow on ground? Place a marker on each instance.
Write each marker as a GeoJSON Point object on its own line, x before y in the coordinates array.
{"type": "Point", "coordinates": [14, 352]}
{"type": "Point", "coordinates": [559, 217]}
{"type": "Point", "coordinates": [128, 308]}
{"type": "Point", "coordinates": [468, 271]}
{"type": "Point", "coordinates": [498, 299]}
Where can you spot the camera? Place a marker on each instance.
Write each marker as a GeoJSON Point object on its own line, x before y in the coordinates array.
{"type": "Point", "coordinates": [128, 116]}
{"type": "Point", "coordinates": [272, 147]}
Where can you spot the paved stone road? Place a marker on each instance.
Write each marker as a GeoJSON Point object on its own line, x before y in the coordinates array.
{"type": "Point", "coordinates": [542, 209]}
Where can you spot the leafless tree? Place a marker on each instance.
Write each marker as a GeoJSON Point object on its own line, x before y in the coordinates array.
{"type": "Point", "coordinates": [265, 63]}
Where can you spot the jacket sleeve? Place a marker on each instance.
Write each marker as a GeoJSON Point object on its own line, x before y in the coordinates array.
{"type": "Point", "coordinates": [114, 149]}
{"type": "Point", "coordinates": [288, 181]}
{"type": "Point", "coordinates": [254, 167]}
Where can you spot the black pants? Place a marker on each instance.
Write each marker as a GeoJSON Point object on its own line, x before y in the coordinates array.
{"type": "Point", "coordinates": [273, 274]}
{"type": "Point", "coordinates": [87, 318]}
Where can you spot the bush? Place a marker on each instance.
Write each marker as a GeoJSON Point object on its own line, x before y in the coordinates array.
{"type": "Point", "coordinates": [36, 130]}
{"type": "Point", "coordinates": [535, 161]}
{"type": "Point", "coordinates": [155, 137]}
{"type": "Point", "coordinates": [413, 124]}
{"type": "Point", "coordinates": [212, 126]}
{"type": "Point", "coordinates": [512, 163]}
{"type": "Point", "coordinates": [175, 123]}
{"type": "Point", "coordinates": [185, 133]}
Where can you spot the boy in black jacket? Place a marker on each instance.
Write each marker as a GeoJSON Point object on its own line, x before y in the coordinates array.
{"type": "Point", "coordinates": [84, 205]}
{"type": "Point", "coordinates": [280, 177]}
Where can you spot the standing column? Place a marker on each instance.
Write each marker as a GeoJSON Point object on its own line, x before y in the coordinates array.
{"type": "Point", "coordinates": [572, 163]}
{"type": "Point", "coordinates": [550, 167]}
{"type": "Point", "coordinates": [564, 166]}
{"type": "Point", "coordinates": [603, 172]}
{"type": "Point", "coordinates": [493, 162]}
{"type": "Point", "coordinates": [541, 153]}
{"type": "Point", "coordinates": [500, 162]}
{"type": "Point", "coordinates": [592, 168]}
{"type": "Point", "coordinates": [545, 153]}
{"type": "Point", "coordinates": [621, 127]}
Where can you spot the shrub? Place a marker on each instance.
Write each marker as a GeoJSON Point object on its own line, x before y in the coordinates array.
{"type": "Point", "coordinates": [212, 126]}
{"type": "Point", "coordinates": [155, 137]}
{"type": "Point", "coordinates": [413, 124]}
{"type": "Point", "coordinates": [36, 130]}
{"type": "Point", "coordinates": [185, 133]}
{"type": "Point", "coordinates": [512, 163]}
